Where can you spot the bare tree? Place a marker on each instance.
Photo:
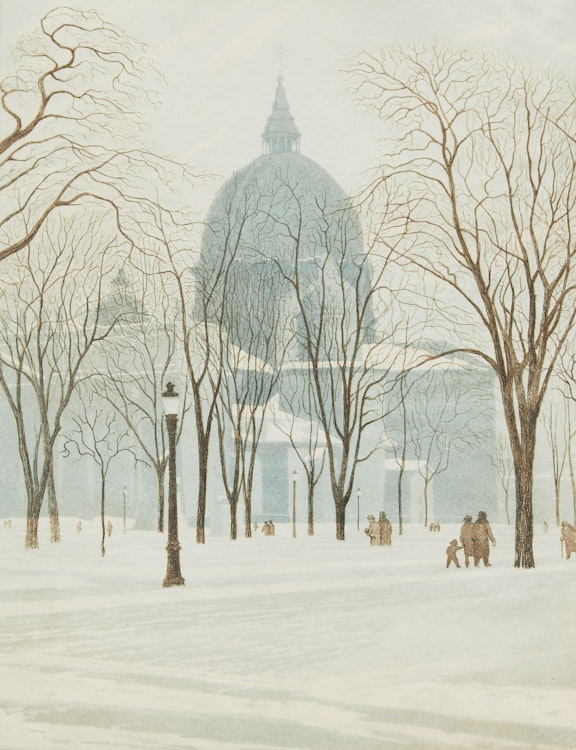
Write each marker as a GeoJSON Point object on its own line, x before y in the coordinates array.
{"type": "Point", "coordinates": [443, 419]}
{"type": "Point", "coordinates": [567, 378]}
{"type": "Point", "coordinates": [138, 360]}
{"type": "Point", "coordinates": [554, 422]}
{"type": "Point", "coordinates": [335, 292]}
{"type": "Point", "coordinates": [97, 434]}
{"type": "Point", "coordinates": [251, 354]}
{"type": "Point", "coordinates": [571, 434]}
{"type": "Point", "coordinates": [51, 321]}
{"type": "Point", "coordinates": [292, 414]}
{"type": "Point", "coordinates": [192, 290]}
{"type": "Point", "coordinates": [481, 168]}
{"type": "Point", "coordinates": [505, 467]}
{"type": "Point", "coordinates": [71, 115]}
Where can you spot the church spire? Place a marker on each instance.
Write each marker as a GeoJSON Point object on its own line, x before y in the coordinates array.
{"type": "Point", "coordinates": [280, 133]}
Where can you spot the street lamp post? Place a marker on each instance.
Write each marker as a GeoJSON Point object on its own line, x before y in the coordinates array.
{"type": "Point", "coordinates": [294, 477]}
{"type": "Point", "coordinates": [171, 403]}
{"type": "Point", "coordinates": [124, 493]}
{"type": "Point", "coordinates": [359, 491]}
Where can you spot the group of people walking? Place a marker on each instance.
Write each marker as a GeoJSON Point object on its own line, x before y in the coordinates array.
{"type": "Point", "coordinates": [268, 528]}
{"type": "Point", "coordinates": [475, 540]}
{"type": "Point", "coordinates": [379, 531]}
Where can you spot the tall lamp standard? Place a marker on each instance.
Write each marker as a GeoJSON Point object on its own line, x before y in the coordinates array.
{"type": "Point", "coordinates": [294, 477]}
{"type": "Point", "coordinates": [359, 491]}
{"type": "Point", "coordinates": [171, 402]}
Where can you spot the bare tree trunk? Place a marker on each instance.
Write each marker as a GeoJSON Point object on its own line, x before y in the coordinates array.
{"type": "Point", "coordinates": [400, 511]}
{"type": "Point", "coordinates": [524, 536]}
{"type": "Point", "coordinates": [247, 518]}
{"type": "Point", "coordinates": [426, 484]}
{"type": "Point", "coordinates": [31, 541]}
{"type": "Point", "coordinates": [202, 486]}
{"type": "Point", "coordinates": [161, 498]}
{"type": "Point", "coordinates": [53, 509]}
{"type": "Point", "coordinates": [233, 520]}
{"type": "Point", "coordinates": [102, 510]}
{"type": "Point", "coordinates": [310, 510]}
{"type": "Point", "coordinates": [524, 530]}
{"type": "Point", "coordinates": [340, 520]}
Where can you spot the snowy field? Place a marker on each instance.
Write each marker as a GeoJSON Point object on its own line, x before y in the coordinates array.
{"type": "Point", "coordinates": [277, 644]}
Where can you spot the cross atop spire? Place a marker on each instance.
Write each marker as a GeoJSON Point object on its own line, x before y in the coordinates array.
{"type": "Point", "coordinates": [280, 133]}
{"type": "Point", "coordinates": [280, 51]}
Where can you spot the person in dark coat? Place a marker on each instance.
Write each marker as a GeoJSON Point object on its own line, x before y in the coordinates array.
{"type": "Point", "coordinates": [467, 540]}
{"type": "Point", "coordinates": [451, 556]}
{"type": "Point", "coordinates": [385, 529]}
{"type": "Point", "coordinates": [482, 536]}
{"type": "Point", "coordinates": [373, 531]}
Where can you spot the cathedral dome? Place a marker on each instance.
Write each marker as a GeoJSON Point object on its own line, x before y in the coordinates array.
{"type": "Point", "coordinates": [276, 206]}
{"type": "Point", "coordinates": [280, 223]}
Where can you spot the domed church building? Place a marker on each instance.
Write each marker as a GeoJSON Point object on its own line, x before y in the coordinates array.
{"type": "Point", "coordinates": [282, 251]}
{"type": "Point", "coordinates": [280, 217]}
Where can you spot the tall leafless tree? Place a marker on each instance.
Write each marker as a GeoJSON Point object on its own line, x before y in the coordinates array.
{"type": "Point", "coordinates": [51, 304]}
{"type": "Point", "coordinates": [555, 427]}
{"type": "Point", "coordinates": [293, 414]}
{"type": "Point", "coordinates": [504, 465]}
{"type": "Point", "coordinates": [336, 291]}
{"type": "Point", "coordinates": [251, 355]}
{"type": "Point", "coordinates": [567, 387]}
{"type": "Point", "coordinates": [138, 360]}
{"type": "Point", "coordinates": [446, 409]}
{"type": "Point", "coordinates": [96, 433]}
{"type": "Point", "coordinates": [481, 162]}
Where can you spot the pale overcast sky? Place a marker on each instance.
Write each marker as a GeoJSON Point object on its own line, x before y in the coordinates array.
{"type": "Point", "coordinates": [220, 62]}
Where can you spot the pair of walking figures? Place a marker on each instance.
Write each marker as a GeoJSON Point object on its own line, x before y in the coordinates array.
{"type": "Point", "coordinates": [475, 539]}
{"type": "Point", "coordinates": [379, 531]}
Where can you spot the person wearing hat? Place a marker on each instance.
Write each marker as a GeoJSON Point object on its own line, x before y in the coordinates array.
{"type": "Point", "coordinates": [467, 539]}
{"type": "Point", "coordinates": [385, 529]}
{"type": "Point", "coordinates": [482, 536]}
{"type": "Point", "coordinates": [373, 531]}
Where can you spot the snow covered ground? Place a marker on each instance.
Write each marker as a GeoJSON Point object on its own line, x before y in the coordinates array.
{"type": "Point", "coordinates": [276, 643]}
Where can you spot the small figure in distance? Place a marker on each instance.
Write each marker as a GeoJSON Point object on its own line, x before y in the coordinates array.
{"type": "Point", "coordinates": [373, 531]}
{"type": "Point", "coordinates": [79, 527]}
{"type": "Point", "coordinates": [255, 526]}
{"type": "Point", "coordinates": [545, 527]}
{"type": "Point", "coordinates": [451, 556]}
{"type": "Point", "coordinates": [109, 528]}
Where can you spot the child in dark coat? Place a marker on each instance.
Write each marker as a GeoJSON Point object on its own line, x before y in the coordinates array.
{"type": "Point", "coordinates": [451, 556]}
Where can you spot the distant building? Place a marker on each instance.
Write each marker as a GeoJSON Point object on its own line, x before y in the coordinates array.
{"type": "Point", "coordinates": [265, 224]}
